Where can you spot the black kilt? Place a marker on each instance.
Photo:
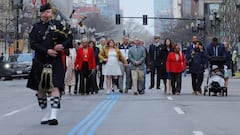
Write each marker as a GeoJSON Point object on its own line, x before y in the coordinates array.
{"type": "Point", "coordinates": [36, 71]}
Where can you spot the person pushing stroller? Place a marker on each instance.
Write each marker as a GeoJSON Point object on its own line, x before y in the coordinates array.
{"type": "Point", "coordinates": [215, 53]}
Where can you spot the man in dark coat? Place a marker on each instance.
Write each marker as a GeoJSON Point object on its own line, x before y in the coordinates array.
{"type": "Point", "coordinates": [154, 52]}
{"type": "Point", "coordinates": [48, 39]}
{"type": "Point", "coordinates": [215, 48]}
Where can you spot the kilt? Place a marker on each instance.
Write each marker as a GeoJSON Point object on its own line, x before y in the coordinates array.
{"type": "Point", "coordinates": [36, 71]}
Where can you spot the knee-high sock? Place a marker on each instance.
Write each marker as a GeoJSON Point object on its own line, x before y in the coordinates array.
{"type": "Point", "coordinates": [42, 102]}
{"type": "Point", "coordinates": [55, 106]}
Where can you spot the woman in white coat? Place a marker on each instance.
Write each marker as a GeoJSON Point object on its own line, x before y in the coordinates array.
{"type": "Point", "coordinates": [70, 73]}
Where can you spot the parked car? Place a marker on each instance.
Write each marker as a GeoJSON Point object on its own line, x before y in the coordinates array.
{"type": "Point", "coordinates": [17, 65]}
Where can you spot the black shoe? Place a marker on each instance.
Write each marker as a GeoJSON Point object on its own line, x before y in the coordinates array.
{"type": "Point", "coordinates": [53, 122]}
{"type": "Point", "coordinates": [150, 87]}
{"type": "Point", "coordinates": [140, 92]}
{"type": "Point", "coordinates": [158, 88]}
{"type": "Point", "coordinates": [75, 92]}
{"type": "Point", "coordinates": [44, 122]}
{"type": "Point", "coordinates": [135, 93]}
{"type": "Point", "coordinates": [121, 91]}
{"type": "Point", "coordinates": [214, 94]}
{"type": "Point", "coordinates": [177, 93]}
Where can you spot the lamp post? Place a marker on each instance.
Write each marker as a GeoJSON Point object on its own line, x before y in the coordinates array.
{"type": "Point", "coordinates": [17, 5]}
{"type": "Point", "coordinates": [214, 19]}
{"type": "Point", "coordinates": [199, 28]}
{"type": "Point", "coordinates": [6, 31]}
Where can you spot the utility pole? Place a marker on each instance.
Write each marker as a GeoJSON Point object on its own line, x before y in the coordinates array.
{"type": "Point", "coordinates": [17, 34]}
{"type": "Point", "coordinates": [6, 34]}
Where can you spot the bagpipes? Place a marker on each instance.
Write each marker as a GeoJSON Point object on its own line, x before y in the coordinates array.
{"type": "Point", "coordinates": [60, 35]}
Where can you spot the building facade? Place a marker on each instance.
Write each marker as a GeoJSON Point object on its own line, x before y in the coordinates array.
{"type": "Point", "coordinates": [162, 8]}
{"type": "Point", "coordinates": [108, 8]}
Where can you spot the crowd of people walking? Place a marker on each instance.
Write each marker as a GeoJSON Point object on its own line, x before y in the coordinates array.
{"type": "Point", "coordinates": [124, 66]}
{"type": "Point", "coordinates": [59, 65]}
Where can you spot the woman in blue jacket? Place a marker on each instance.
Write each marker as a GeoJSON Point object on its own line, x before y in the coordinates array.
{"type": "Point", "coordinates": [196, 67]}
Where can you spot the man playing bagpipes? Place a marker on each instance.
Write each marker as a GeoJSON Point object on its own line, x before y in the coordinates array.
{"type": "Point", "coordinates": [48, 38]}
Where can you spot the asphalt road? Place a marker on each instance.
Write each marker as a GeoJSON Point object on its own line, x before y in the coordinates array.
{"type": "Point", "coordinates": [123, 114]}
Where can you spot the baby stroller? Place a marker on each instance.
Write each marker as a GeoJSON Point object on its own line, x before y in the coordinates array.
{"type": "Point", "coordinates": [215, 79]}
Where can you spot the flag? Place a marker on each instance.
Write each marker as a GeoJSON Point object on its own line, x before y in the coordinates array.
{"type": "Point", "coordinates": [43, 2]}
{"type": "Point", "coordinates": [34, 2]}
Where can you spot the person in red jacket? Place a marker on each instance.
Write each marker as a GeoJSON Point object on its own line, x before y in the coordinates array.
{"type": "Point", "coordinates": [85, 63]}
{"type": "Point", "coordinates": [176, 64]}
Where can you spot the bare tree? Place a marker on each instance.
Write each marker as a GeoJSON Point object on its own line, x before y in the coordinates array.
{"type": "Point", "coordinates": [179, 32]}
{"type": "Point", "coordinates": [103, 25]}
{"type": "Point", "coordinates": [134, 29]}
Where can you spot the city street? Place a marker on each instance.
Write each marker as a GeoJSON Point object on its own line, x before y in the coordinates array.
{"type": "Point", "coordinates": [123, 114]}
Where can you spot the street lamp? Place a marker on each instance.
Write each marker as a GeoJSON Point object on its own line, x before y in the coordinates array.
{"type": "Point", "coordinates": [199, 27]}
{"type": "Point", "coordinates": [214, 19]}
{"type": "Point", "coordinates": [17, 5]}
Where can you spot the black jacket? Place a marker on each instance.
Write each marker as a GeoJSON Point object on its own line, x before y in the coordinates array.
{"type": "Point", "coordinates": [44, 36]}
{"type": "Point", "coordinates": [154, 54]}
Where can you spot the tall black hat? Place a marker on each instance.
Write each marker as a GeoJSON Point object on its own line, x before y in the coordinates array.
{"type": "Point", "coordinates": [45, 7]}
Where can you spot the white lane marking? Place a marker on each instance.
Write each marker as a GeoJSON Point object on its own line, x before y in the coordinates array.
{"type": "Point", "coordinates": [18, 110]}
{"type": "Point", "coordinates": [169, 98]}
{"type": "Point", "coordinates": [11, 113]}
{"type": "Point", "coordinates": [178, 110]}
{"type": "Point", "coordinates": [214, 102]}
{"type": "Point", "coordinates": [198, 133]}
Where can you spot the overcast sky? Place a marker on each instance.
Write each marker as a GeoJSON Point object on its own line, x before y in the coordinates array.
{"type": "Point", "coordinates": [137, 8]}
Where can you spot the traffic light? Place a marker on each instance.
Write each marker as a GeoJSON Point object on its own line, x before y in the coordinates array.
{"type": "Point", "coordinates": [145, 18]}
{"type": "Point", "coordinates": [118, 19]}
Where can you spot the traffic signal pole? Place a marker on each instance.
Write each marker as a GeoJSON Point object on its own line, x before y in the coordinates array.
{"type": "Point", "coordinates": [145, 18]}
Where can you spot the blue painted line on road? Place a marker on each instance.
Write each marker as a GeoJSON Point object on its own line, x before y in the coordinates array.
{"type": "Point", "coordinates": [86, 119]}
{"type": "Point", "coordinates": [95, 117]}
{"type": "Point", "coordinates": [102, 118]}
